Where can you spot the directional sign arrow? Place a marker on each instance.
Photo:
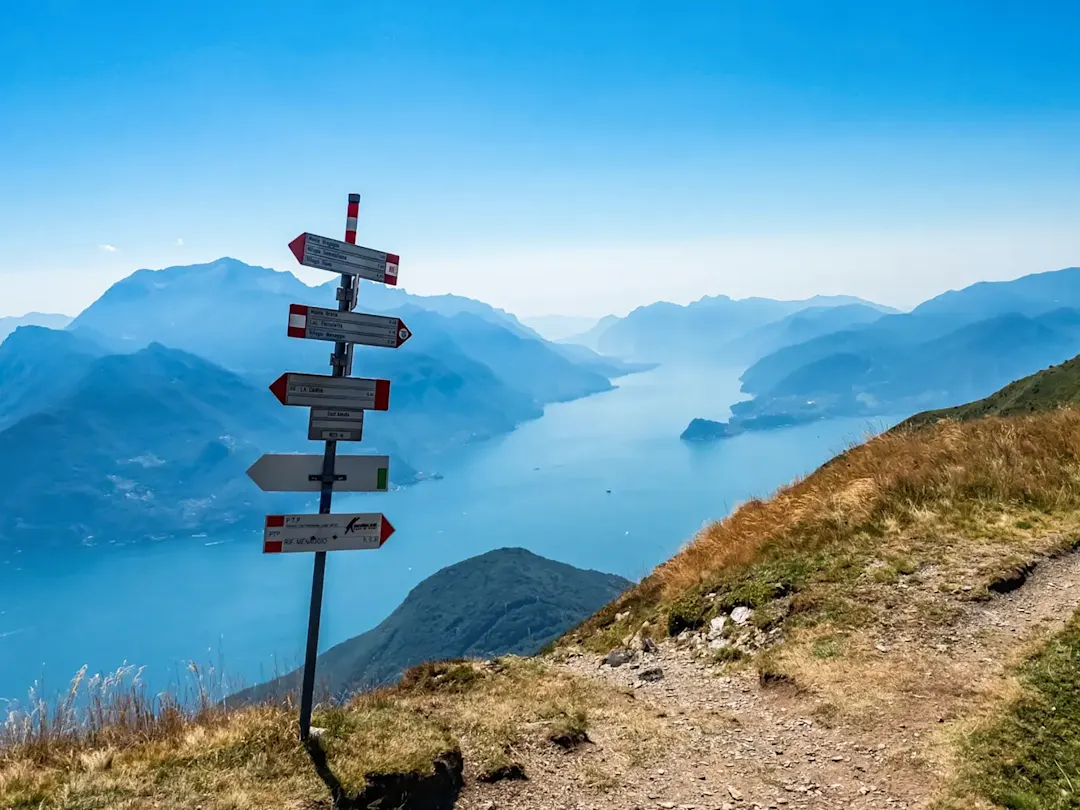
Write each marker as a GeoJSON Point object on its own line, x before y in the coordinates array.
{"type": "Point", "coordinates": [342, 257]}
{"type": "Point", "coordinates": [322, 391]}
{"type": "Point", "coordinates": [300, 472]}
{"type": "Point", "coordinates": [316, 323]}
{"type": "Point", "coordinates": [285, 533]}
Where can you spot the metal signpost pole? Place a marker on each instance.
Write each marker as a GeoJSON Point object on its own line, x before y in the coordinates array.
{"type": "Point", "coordinates": [340, 362]}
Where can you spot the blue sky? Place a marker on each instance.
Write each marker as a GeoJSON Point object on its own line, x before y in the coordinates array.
{"type": "Point", "coordinates": [575, 157]}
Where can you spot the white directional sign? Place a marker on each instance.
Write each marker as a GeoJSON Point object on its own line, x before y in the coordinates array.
{"type": "Point", "coordinates": [335, 424]}
{"type": "Point", "coordinates": [316, 323]}
{"type": "Point", "coordinates": [322, 391]}
{"type": "Point", "coordinates": [300, 472]}
{"type": "Point", "coordinates": [285, 533]}
{"type": "Point", "coordinates": [342, 257]}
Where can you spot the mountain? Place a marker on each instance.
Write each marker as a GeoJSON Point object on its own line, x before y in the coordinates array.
{"type": "Point", "coordinates": [469, 371]}
{"type": "Point", "coordinates": [146, 444]}
{"type": "Point", "coordinates": [894, 375]}
{"type": "Point", "coordinates": [591, 337]}
{"type": "Point", "coordinates": [701, 330]}
{"type": "Point", "coordinates": [531, 366]}
{"type": "Point", "coordinates": [558, 327]}
{"type": "Point", "coordinates": [1054, 387]}
{"type": "Point", "coordinates": [1032, 296]}
{"type": "Point", "coordinates": [48, 320]}
{"type": "Point", "coordinates": [37, 366]}
{"type": "Point", "coordinates": [799, 327]}
{"type": "Point", "coordinates": [1029, 295]}
{"type": "Point", "coordinates": [505, 601]}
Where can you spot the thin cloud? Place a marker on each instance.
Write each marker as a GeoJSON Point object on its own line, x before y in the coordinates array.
{"type": "Point", "coordinates": [108, 248]}
{"type": "Point", "coordinates": [179, 242]}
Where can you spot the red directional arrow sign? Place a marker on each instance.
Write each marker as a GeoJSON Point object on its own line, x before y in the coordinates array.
{"type": "Point", "coordinates": [316, 323]}
{"type": "Point", "coordinates": [342, 257]}
{"type": "Point", "coordinates": [284, 533]}
{"type": "Point", "coordinates": [321, 391]}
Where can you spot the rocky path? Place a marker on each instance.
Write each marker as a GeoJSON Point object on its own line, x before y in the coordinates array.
{"type": "Point", "coordinates": [736, 744]}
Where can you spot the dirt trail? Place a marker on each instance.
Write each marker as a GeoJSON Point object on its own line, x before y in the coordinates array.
{"type": "Point", "coordinates": [737, 745]}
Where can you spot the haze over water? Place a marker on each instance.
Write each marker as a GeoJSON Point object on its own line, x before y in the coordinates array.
{"type": "Point", "coordinates": [545, 487]}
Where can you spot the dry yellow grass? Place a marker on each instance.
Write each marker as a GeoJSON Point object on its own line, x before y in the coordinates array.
{"type": "Point", "coordinates": [251, 758]}
{"type": "Point", "coordinates": [964, 502]}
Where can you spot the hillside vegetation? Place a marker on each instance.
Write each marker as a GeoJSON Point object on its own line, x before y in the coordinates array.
{"type": "Point", "coordinates": [1042, 391]}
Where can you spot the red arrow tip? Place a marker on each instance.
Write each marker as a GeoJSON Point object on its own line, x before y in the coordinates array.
{"type": "Point", "coordinates": [279, 386]}
{"type": "Point", "coordinates": [382, 395]}
{"type": "Point", "coordinates": [297, 247]}
{"type": "Point", "coordinates": [403, 332]}
{"type": "Point", "coordinates": [386, 531]}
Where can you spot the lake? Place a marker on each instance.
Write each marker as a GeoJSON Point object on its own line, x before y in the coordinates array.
{"type": "Point", "coordinates": [602, 482]}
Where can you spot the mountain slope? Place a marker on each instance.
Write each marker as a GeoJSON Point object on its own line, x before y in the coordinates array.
{"type": "Point", "coordinates": [146, 444]}
{"type": "Point", "coordinates": [505, 601]}
{"type": "Point", "coordinates": [1032, 296]}
{"type": "Point", "coordinates": [889, 376]}
{"type": "Point", "coordinates": [48, 320]}
{"type": "Point", "coordinates": [38, 366]}
{"type": "Point", "coordinates": [700, 330]}
{"type": "Point", "coordinates": [1045, 390]}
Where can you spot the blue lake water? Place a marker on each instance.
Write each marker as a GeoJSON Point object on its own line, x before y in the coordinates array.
{"type": "Point", "coordinates": [218, 600]}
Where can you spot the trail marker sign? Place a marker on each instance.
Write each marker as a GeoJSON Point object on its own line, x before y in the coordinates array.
{"type": "Point", "coordinates": [316, 323]}
{"type": "Point", "coordinates": [302, 472]}
{"type": "Point", "coordinates": [286, 533]}
{"type": "Point", "coordinates": [321, 391]}
{"type": "Point", "coordinates": [335, 425]}
{"type": "Point", "coordinates": [341, 257]}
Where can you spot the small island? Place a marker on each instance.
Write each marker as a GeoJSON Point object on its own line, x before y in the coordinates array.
{"type": "Point", "coordinates": [706, 430]}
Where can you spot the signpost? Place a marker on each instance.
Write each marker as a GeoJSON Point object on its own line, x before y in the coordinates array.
{"type": "Point", "coordinates": [285, 533]}
{"type": "Point", "coordinates": [315, 323]}
{"type": "Point", "coordinates": [320, 391]}
{"type": "Point", "coordinates": [301, 472]}
{"type": "Point", "coordinates": [337, 405]}
{"type": "Point", "coordinates": [345, 258]}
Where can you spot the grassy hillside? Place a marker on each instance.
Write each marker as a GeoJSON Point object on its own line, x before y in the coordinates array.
{"type": "Point", "coordinates": [1042, 391]}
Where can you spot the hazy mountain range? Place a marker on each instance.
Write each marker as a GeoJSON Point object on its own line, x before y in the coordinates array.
{"type": "Point", "coordinates": [956, 347]}
{"type": "Point", "coordinates": [723, 330]}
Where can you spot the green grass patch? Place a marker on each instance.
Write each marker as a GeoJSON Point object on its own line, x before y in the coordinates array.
{"type": "Point", "coordinates": [1029, 759]}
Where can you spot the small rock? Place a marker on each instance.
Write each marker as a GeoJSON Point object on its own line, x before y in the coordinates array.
{"type": "Point", "coordinates": [716, 627]}
{"type": "Point", "coordinates": [882, 648]}
{"type": "Point", "coordinates": [741, 614]}
{"type": "Point", "coordinates": [648, 645]}
{"type": "Point", "coordinates": [667, 805]}
{"type": "Point", "coordinates": [652, 674]}
{"type": "Point", "coordinates": [616, 658]}
{"type": "Point", "coordinates": [735, 793]}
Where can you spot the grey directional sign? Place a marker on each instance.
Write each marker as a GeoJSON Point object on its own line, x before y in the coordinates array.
{"type": "Point", "coordinates": [322, 391]}
{"type": "Point", "coordinates": [301, 472]}
{"type": "Point", "coordinates": [335, 424]}
{"type": "Point", "coordinates": [316, 323]}
{"type": "Point", "coordinates": [343, 257]}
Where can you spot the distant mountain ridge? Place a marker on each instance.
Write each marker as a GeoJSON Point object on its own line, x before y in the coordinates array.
{"type": "Point", "coordinates": [507, 601]}
{"type": "Point", "coordinates": [957, 347]}
{"type": "Point", "coordinates": [709, 328]}
{"type": "Point", "coordinates": [47, 319]}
